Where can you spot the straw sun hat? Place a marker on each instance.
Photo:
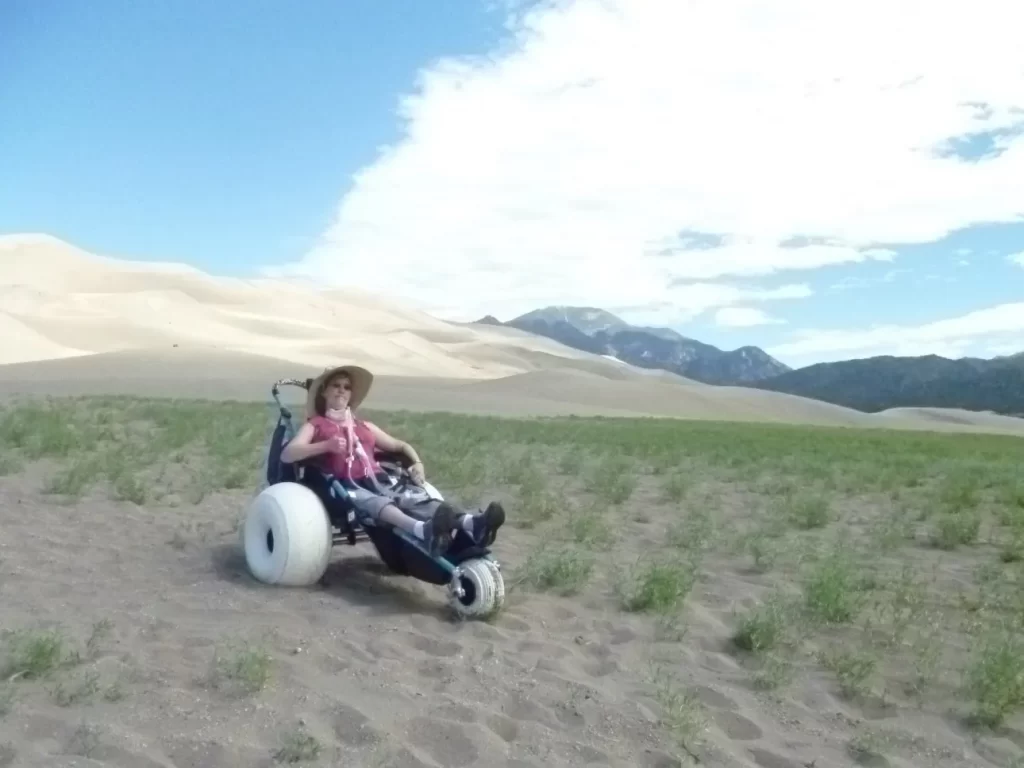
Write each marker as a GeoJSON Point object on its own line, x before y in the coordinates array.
{"type": "Point", "coordinates": [360, 378]}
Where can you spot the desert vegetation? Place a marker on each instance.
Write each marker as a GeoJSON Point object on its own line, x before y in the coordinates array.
{"type": "Point", "coordinates": [862, 587]}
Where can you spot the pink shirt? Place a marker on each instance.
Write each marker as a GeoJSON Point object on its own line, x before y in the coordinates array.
{"type": "Point", "coordinates": [337, 464]}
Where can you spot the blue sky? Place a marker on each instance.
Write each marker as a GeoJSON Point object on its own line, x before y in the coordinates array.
{"type": "Point", "coordinates": [501, 163]}
{"type": "Point", "coordinates": [219, 133]}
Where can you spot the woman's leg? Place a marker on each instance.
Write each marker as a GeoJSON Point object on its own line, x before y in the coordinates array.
{"type": "Point", "coordinates": [435, 532]}
{"type": "Point", "coordinates": [483, 527]}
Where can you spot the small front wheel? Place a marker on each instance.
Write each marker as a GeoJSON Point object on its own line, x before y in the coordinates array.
{"type": "Point", "coordinates": [499, 584]}
{"type": "Point", "coordinates": [483, 590]}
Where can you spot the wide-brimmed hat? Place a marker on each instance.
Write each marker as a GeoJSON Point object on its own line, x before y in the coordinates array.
{"type": "Point", "coordinates": [360, 378]}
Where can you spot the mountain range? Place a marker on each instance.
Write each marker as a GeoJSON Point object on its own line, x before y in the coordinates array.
{"type": "Point", "coordinates": [600, 332]}
{"type": "Point", "coordinates": [869, 384]}
{"type": "Point", "coordinates": [877, 383]}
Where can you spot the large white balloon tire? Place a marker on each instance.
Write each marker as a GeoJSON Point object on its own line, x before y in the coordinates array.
{"type": "Point", "coordinates": [287, 536]}
{"type": "Point", "coordinates": [485, 590]}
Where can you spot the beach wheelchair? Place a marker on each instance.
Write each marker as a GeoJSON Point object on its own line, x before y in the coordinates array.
{"type": "Point", "coordinates": [293, 523]}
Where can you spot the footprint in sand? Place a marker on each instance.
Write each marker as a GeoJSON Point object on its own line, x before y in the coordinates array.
{"type": "Point", "coordinates": [434, 670]}
{"type": "Point", "coordinates": [516, 625]}
{"type": "Point", "coordinates": [89, 744]}
{"type": "Point", "coordinates": [709, 697]}
{"type": "Point", "coordinates": [397, 758]}
{"type": "Point", "coordinates": [549, 665]}
{"type": "Point", "coordinates": [350, 650]}
{"type": "Point", "coordinates": [352, 727]}
{"type": "Point", "coordinates": [505, 727]}
{"type": "Point", "coordinates": [655, 758]}
{"type": "Point", "coordinates": [569, 716]}
{"type": "Point", "coordinates": [446, 743]}
{"type": "Point", "coordinates": [717, 662]}
{"type": "Point", "coordinates": [615, 634]}
{"type": "Point", "coordinates": [562, 613]}
{"type": "Point", "coordinates": [602, 652]}
{"type": "Point", "coordinates": [459, 713]}
{"type": "Point", "coordinates": [601, 668]}
{"type": "Point", "coordinates": [332, 665]}
{"type": "Point", "coordinates": [433, 646]}
{"type": "Point", "coordinates": [581, 754]}
{"type": "Point", "coordinates": [766, 759]}
{"type": "Point", "coordinates": [723, 711]}
{"type": "Point", "coordinates": [520, 708]}
{"type": "Point", "coordinates": [736, 726]}
{"type": "Point", "coordinates": [485, 632]}
{"type": "Point", "coordinates": [1015, 735]}
{"type": "Point", "coordinates": [184, 752]}
{"type": "Point", "coordinates": [548, 650]}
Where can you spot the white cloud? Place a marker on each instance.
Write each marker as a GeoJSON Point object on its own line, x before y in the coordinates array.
{"type": "Point", "coordinates": [570, 166]}
{"type": "Point", "coordinates": [1017, 258]}
{"type": "Point", "coordinates": [1000, 327]}
{"type": "Point", "coordinates": [743, 317]}
{"type": "Point", "coordinates": [892, 274]}
{"type": "Point", "coordinates": [692, 299]}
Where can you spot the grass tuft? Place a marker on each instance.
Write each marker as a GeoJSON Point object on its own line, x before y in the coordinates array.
{"type": "Point", "coordinates": [995, 677]}
{"type": "Point", "coordinates": [298, 746]}
{"type": "Point", "coordinates": [832, 591]}
{"type": "Point", "coordinates": [658, 586]}
{"type": "Point", "coordinates": [562, 569]}
{"type": "Point", "coordinates": [764, 628]}
{"type": "Point", "coordinates": [242, 667]}
{"type": "Point", "coordinates": [34, 654]}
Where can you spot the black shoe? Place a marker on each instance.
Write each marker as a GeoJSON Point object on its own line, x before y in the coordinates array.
{"type": "Point", "coordinates": [437, 531]}
{"type": "Point", "coordinates": [487, 523]}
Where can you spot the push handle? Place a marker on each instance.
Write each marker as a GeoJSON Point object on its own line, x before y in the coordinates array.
{"type": "Point", "coordinates": [276, 392]}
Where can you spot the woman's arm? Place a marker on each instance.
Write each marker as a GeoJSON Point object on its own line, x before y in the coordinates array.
{"type": "Point", "coordinates": [393, 445]}
{"type": "Point", "coordinates": [302, 447]}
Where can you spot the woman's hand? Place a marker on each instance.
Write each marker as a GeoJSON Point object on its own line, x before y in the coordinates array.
{"type": "Point", "coordinates": [416, 473]}
{"type": "Point", "coordinates": [334, 444]}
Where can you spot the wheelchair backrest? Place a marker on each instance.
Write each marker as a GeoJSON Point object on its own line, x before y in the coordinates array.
{"type": "Point", "coordinates": [279, 471]}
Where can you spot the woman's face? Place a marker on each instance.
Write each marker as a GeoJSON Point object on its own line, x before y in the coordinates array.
{"type": "Point", "coordinates": [337, 392]}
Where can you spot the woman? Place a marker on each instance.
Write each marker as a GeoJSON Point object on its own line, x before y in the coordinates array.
{"type": "Point", "coordinates": [343, 446]}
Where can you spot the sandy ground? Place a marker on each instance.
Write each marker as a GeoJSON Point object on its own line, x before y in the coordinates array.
{"type": "Point", "coordinates": [374, 668]}
{"type": "Point", "coordinates": [369, 665]}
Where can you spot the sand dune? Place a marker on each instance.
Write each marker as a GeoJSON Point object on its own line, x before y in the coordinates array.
{"type": "Point", "coordinates": [60, 301]}
{"type": "Point", "coordinates": [212, 373]}
{"type": "Point", "coordinates": [637, 395]}
{"type": "Point", "coordinates": [75, 322]}
{"type": "Point", "coordinates": [954, 417]}
{"type": "Point", "coordinates": [22, 342]}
